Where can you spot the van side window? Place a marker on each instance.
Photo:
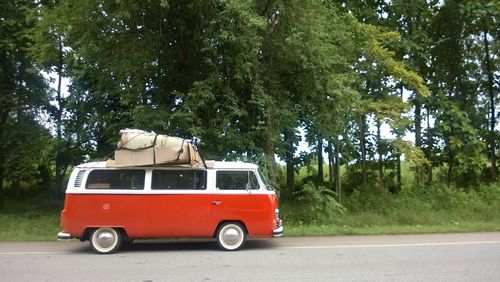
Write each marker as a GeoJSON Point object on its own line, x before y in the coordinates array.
{"type": "Point", "coordinates": [179, 180]}
{"type": "Point", "coordinates": [236, 180]}
{"type": "Point", "coordinates": [116, 179]}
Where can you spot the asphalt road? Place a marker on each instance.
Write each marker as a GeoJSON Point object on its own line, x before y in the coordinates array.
{"type": "Point", "coordinates": [434, 257]}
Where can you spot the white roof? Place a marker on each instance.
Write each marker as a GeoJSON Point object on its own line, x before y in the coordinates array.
{"type": "Point", "coordinates": [237, 165]}
{"type": "Point", "coordinates": [210, 164]}
{"type": "Point", "coordinates": [92, 165]}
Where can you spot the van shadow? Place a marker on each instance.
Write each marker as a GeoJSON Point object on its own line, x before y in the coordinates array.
{"type": "Point", "coordinates": [188, 245]}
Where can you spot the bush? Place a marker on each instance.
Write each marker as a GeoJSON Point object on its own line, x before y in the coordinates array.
{"type": "Point", "coordinates": [432, 205]}
{"type": "Point", "coordinates": [312, 204]}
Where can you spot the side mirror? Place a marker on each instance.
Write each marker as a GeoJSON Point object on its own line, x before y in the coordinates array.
{"type": "Point", "coordinates": [248, 187]}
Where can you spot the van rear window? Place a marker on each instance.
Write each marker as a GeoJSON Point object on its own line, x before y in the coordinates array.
{"type": "Point", "coordinates": [179, 180]}
{"type": "Point", "coordinates": [116, 179]}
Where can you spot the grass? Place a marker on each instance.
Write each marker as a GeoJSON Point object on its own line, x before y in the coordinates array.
{"type": "Point", "coordinates": [324, 230]}
{"type": "Point", "coordinates": [294, 230]}
{"type": "Point", "coordinates": [18, 227]}
{"type": "Point", "coordinates": [36, 219]}
{"type": "Point", "coordinates": [418, 219]}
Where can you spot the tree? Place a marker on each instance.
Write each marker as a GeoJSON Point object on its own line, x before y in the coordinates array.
{"type": "Point", "coordinates": [412, 20]}
{"type": "Point", "coordinates": [379, 69]}
{"type": "Point", "coordinates": [23, 92]}
{"type": "Point", "coordinates": [457, 80]}
{"type": "Point", "coordinates": [47, 50]}
{"type": "Point", "coordinates": [483, 17]}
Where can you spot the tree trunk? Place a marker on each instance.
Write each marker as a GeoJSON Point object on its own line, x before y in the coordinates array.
{"type": "Point", "coordinates": [338, 184]}
{"type": "Point", "coordinates": [1, 181]}
{"type": "Point", "coordinates": [4, 114]}
{"type": "Point", "coordinates": [430, 142]}
{"type": "Point", "coordinates": [59, 159]}
{"type": "Point", "coordinates": [418, 123]}
{"type": "Point", "coordinates": [418, 134]}
{"type": "Point", "coordinates": [380, 156]}
{"type": "Point", "coordinates": [398, 174]}
{"type": "Point", "coordinates": [492, 103]}
{"type": "Point", "coordinates": [399, 137]}
{"type": "Point", "coordinates": [331, 161]}
{"type": "Point", "coordinates": [272, 168]}
{"type": "Point", "coordinates": [16, 186]}
{"type": "Point", "coordinates": [320, 161]}
{"type": "Point", "coordinates": [289, 152]}
{"type": "Point", "coordinates": [362, 144]}
{"type": "Point", "coordinates": [450, 167]}
{"type": "Point", "coordinates": [269, 150]}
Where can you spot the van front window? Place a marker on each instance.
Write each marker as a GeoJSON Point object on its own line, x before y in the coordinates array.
{"type": "Point", "coordinates": [237, 180]}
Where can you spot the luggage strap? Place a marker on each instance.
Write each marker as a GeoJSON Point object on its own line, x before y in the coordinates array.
{"type": "Point", "coordinates": [180, 151]}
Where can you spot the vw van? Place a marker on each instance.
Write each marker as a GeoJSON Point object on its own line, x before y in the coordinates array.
{"type": "Point", "coordinates": [110, 205]}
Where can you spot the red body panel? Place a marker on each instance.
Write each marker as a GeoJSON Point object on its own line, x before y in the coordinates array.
{"type": "Point", "coordinates": [169, 215]}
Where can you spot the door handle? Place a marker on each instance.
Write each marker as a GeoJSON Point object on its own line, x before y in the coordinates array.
{"type": "Point", "coordinates": [216, 203]}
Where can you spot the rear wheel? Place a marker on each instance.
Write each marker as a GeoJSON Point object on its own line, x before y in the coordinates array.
{"type": "Point", "coordinates": [106, 240]}
{"type": "Point", "coordinates": [231, 236]}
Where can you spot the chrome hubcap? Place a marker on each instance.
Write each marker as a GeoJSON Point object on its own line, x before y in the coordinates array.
{"type": "Point", "coordinates": [105, 239]}
{"type": "Point", "coordinates": [231, 236]}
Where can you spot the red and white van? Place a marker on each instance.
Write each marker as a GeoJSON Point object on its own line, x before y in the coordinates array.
{"type": "Point", "coordinates": [225, 200]}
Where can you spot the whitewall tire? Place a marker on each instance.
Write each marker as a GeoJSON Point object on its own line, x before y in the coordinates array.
{"type": "Point", "coordinates": [106, 240]}
{"type": "Point", "coordinates": [231, 236]}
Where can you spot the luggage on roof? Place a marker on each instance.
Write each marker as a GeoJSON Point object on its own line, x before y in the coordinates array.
{"type": "Point", "coordinates": [142, 148]}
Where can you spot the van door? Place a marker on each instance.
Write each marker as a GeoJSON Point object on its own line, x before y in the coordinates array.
{"type": "Point", "coordinates": [179, 204]}
{"type": "Point", "coordinates": [238, 197]}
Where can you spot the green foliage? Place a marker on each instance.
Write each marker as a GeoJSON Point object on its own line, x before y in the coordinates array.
{"type": "Point", "coordinates": [27, 150]}
{"type": "Point", "coordinates": [412, 154]}
{"type": "Point", "coordinates": [24, 97]}
{"type": "Point", "coordinates": [463, 149]}
{"type": "Point", "coordinates": [429, 209]}
{"type": "Point", "coordinates": [312, 204]}
{"type": "Point", "coordinates": [430, 205]}
{"type": "Point", "coordinates": [375, 50]}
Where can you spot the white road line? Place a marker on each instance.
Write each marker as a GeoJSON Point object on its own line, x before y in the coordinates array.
{"type": "Point", "coordinates": [310, 247]}
{"type": "Point", "coordinates": [393, 245]}
{"type": "Point", "coordinates": [32, 253]}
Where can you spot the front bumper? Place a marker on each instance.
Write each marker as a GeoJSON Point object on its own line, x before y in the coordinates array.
{"type": "Point", "coordinates": [278, 232]}
{"type": "Point", "coordinates": [63, 236]}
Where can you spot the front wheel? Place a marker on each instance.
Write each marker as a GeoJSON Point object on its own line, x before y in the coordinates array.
{"type": "Point", "coordinates": [106, 240]}
{"type": "Point", "coordinates": [231, 236]}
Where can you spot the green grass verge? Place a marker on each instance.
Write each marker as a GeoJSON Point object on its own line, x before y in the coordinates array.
{"type": "Point", "coordinates": [294, 230]}
{"type": "Point", "coordinates": [21, 227]}
{"type": "Point", "coordinates": [34, 219]}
